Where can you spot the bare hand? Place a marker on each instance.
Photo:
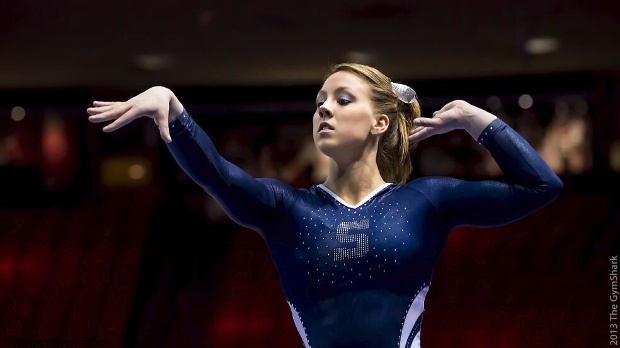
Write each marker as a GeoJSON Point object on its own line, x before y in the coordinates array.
{"type": "Point", "coordinates": [452, 116]}
{"type": "Point", "coordinates": [153, 103]}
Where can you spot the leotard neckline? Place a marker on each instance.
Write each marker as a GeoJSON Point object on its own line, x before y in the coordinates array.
{"type": "Point", "coordinates": [360, 203]}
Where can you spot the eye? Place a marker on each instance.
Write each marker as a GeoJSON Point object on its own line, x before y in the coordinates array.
{"type": "Point", "coordinates": [343, 101]}
{"type": "Point", "coordinates": [319, 103]}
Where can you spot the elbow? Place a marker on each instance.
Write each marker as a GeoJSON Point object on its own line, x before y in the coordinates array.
{"type": "Point", "coordinates": [554, 187]}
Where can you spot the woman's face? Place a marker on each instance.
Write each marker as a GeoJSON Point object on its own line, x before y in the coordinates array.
{"type": "Point", "coordinates": [344, 116]}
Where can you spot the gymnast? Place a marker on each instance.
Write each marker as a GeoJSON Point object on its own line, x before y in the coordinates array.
{"type": "Point", "coordinates": [355, 255]}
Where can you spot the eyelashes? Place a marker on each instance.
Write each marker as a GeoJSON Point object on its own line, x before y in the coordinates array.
{"type": "Point", "coordinates": [341, 101]}
{"type": "Point", "coordinates": [344, 101]}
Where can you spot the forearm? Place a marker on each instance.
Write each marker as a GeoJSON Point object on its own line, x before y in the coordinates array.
{"type": "Point", "coordinates": [529, 183]}
{"type": "Point", "coordinates": [514, 155]}
{"type": "Point", "coordinates": [517, 158]}
{"type": "Point", "coordinates": [245, 199]}
{"type": "Point", "coordinates": [194, 151]}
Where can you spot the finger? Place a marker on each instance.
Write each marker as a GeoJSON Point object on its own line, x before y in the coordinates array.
{"type": "Point", "coordinates": [99, 109]}
{"type": "Point", "coordinates": [427, 121]}
{"type": "Point", "coordinates": [415, 130]}
{"type": "Point", "coordinates": [446, 114]}
{"type": "Point", "coordinates": [124, 119]}
{"type": "Point", "coordinates": [111, 114]}
{"type": "Point", "coordinates": [103, 103]}
{"type": "Point", "coordinates": [414, 135]}
{"type": "Point", "coordinates": [422, 134]}
{"type": "Point", "coordinates": [106, 116]}
{"type": "Point", "coordinates": [162, 123]}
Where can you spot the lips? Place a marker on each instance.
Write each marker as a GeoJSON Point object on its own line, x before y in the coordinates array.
{"type": "Point", "coordinates": [325, 126]}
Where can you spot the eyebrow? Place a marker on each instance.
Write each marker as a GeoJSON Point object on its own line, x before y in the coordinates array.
{"type": "Point", "coordinates": [337, 90]}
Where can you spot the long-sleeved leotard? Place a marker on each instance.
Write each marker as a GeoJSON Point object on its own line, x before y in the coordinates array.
{"type": "Point", "coordinates": [357, 276]}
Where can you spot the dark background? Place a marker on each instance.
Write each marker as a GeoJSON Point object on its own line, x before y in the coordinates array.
{"type": "Point", "coordinates": [103, 237]}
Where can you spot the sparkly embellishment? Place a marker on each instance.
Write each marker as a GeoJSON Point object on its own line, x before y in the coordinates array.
{"type": "Point", "coordinates": [404, 93]}
{"type": "Point", "coordinates": [360, 239]}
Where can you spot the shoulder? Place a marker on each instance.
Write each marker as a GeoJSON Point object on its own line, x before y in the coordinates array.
{"type": "Point", "coordinates": [282, 190]}
{"type": "Point", "coordinates": [277, 186]}
{"type": "Point", "coordinates": [433, 183]}
{"type": "Point", "coordinates": [434, 188]}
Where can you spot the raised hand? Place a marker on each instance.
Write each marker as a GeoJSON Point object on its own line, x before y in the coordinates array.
{"type": "Point", "coordinates": [153, 103]}
{"type": "Point", "coordinates": [457, 114]}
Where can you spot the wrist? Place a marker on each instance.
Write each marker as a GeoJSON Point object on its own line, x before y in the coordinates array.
{"type": "Point", "coordinates": [175, 107]}
{"type": "Point", "coordinates": [476, 123]}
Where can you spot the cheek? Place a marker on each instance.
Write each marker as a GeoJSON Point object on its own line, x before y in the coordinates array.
{"type": "Point", "coordinates": [315, 121]}
{"type": "Point", "coordinates": [357, 124]}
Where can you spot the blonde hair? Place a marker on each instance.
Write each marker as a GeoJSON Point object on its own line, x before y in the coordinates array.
{"type": "Point", "coordinates": [394, 148]}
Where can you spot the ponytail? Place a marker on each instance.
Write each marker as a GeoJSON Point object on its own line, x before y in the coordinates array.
{"type": "Point", "coordinates": [393, 156]}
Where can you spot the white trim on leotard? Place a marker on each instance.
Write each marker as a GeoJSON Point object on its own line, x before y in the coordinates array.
{"type": "Point", "coordinates": [415, 310]}
{"type": "Point", "coordinates": [364, 200]}
{"type": "Point", "coordinates": [299, 325]}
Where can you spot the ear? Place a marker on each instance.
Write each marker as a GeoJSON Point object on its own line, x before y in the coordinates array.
{"type": "Point", "coordinates": [382, 122]}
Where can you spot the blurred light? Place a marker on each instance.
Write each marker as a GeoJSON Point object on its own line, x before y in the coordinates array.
{"type": "Point", "coordinates": [126, 171]}
{"type": "Point", "coordinates": [494, 103]}
{"type": "Point", "coordinates": [18, 113]}
{"type": "Point", "coordinates": [152, 62]}
{"type": "Point", "coordinates": [542, 45]}
{"type": "Point", "coordinates": [55, 144]}
{"type": "Point", "coordinates": [526, 101]}
{"type": "Point", "coordinates": [359, 57]}
{"type": "Point", "coordinates": [10, 149]}
{"type": "Point", "coordinates": [136, 171]}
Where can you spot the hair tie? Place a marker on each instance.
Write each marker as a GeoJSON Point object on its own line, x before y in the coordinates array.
{"type": "Point", "coordinates": [404, 93]}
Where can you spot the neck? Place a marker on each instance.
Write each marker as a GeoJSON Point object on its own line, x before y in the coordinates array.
{"type": "Point", "coordinates": [354, 180]}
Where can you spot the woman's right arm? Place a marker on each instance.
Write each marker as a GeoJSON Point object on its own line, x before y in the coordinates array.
{"type": "Point", "coordinates": [248, 201]}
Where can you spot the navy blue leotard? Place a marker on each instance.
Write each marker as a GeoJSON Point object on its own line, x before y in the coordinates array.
{"type": "Point", "coordinates": [357, 276]}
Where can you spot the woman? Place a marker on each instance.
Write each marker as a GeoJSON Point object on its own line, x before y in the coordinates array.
{"type": "Point", "coordinates": [355, 255]}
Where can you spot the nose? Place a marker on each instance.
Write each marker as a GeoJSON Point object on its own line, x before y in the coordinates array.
{"type": "Point", "coordinates": [324, 111]}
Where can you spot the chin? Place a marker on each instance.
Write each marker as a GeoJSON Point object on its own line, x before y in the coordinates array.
{"type": "Point", "coordinates": [327, 149]}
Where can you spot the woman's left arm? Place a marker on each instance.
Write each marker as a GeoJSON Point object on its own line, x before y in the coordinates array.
{"type": "Point", "coordinates": [530, 183]}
